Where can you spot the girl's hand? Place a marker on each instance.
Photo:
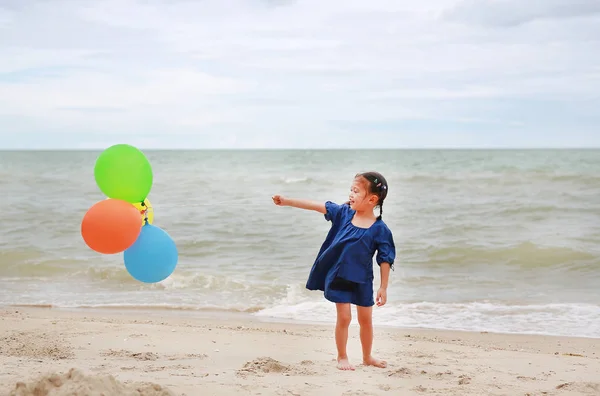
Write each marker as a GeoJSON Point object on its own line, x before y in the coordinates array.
{"type": "Point", "coordinates": [278, 200]}
{"type": "Point", "coordinates": [381, 297]}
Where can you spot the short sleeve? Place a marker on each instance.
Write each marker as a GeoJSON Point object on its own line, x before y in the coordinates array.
{"type": "Point", "coordinates": [333, 211]}
{"type": "Point", "coordinates": [386, 248]}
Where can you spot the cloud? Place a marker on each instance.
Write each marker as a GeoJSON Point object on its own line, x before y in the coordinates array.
{"type": "Point", "coordinates": [506, 13]}
{"type": "Point", "coordinates": [261, 73]}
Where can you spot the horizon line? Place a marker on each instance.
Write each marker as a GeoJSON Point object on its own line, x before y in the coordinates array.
{"type": "Point", "coordinates": [303, 148]}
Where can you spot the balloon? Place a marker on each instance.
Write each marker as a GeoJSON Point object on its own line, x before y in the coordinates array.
{"type": "Point", "coordinates": [111, 226]}
{"type": "Point", "coordinates": [153, 256]}
{"type": "Point", "coordinates": [149, 211]}
{"type": "Point", "coordinates": [123, 172]}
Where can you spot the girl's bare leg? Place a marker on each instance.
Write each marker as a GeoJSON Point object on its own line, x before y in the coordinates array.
{"type": "Point", "coordinates": [344, 316]}
{"type": "Point", "coordinates": [365, 320]}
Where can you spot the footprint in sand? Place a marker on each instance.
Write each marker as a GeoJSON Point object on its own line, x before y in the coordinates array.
{"type": "Point", "coordinates": [358, 392]}
{"type": "Point", "coordinates": [445, 373]}
{"type": "Point", "coordinates": [187, 356]}
{"type": "Point", "coordinates": [522, 378]}
{"type": "Point", "coordinates": [582, 388]}
{"type": "Point", "coordinates": [268, 365]}
{"type": "Point", "coordinates": [401, 372]}
{"type": "Point", "coordinates": [418, 355]}
{"type": "Point", "coordinates": [464, 380]}
{"type": "Point", "coordinates": [128, 354]}
{"type": "Point", "coordinates": [176, 368]}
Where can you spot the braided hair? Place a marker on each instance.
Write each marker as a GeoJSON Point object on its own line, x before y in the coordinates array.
{"type": "Point", "coordinates": [376, 184]}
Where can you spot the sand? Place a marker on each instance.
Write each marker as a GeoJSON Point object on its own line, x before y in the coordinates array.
{"type": "Point", "coordinates": [49, 352]}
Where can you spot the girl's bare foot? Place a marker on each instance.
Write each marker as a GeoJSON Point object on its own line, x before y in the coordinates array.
{"type": "Point", "coordinates": [371, 361]}
{"type": "Point", "coordinates": [344, 364]}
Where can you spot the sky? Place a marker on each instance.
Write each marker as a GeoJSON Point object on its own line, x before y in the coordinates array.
{"type": "Point", "coordinates": [299, 74]}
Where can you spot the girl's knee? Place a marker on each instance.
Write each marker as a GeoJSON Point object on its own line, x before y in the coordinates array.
{"type": "Point", "coordinates": [344, 315]}
{"type": "Point", "coordinates": [365, 321]}
{"type": "Point", "coordinates": [344, 318]}
{"type": "Point", "coordinates": [365, 316]}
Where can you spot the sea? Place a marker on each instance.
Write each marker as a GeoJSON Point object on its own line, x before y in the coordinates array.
{"type": "Point", "coordinates": [487, 240]}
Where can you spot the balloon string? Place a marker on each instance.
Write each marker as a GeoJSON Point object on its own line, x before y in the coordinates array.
{"type": "Point", "coordinates": [145, 213]}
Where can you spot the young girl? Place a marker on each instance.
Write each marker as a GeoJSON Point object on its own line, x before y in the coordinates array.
{"type": "Point", "coordinates": [343, 269]}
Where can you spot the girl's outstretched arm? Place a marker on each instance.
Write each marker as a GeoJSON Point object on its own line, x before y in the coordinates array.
{"type": "Point", "coordinates": [300, 203]}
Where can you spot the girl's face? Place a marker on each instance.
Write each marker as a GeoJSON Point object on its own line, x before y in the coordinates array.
{"type": "Point", "coordinates": [360, 198]}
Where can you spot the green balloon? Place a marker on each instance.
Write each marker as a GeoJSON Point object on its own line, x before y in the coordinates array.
{"type": "Point", "coordinates": [123, 172]}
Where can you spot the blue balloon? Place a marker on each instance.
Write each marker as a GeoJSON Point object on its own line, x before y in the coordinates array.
{"type": "Point", "coordinates": [152, 257]}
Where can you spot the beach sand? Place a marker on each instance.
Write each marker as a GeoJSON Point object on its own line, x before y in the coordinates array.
{"type": "Point", "coordinates": [129, 352]}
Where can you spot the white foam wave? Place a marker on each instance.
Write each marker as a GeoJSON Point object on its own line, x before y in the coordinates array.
{"type": "Point", "coordinates": [187, 281]}
{"type": "Point", "coordinates": [582, 320]}
{"type": "Point", "coordinates": [294, 180]}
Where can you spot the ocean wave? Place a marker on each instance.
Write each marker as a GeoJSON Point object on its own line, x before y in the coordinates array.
{"type": "Point", "coordinates": [542, 209]}
{"type": "Point", "coordinates": [524, 254]}
{"type": "Point", "coordinates": [507, 176]}
{"type": "Point", "coordinates": [31, 264]}
{"type": "Point", "coordinates": [574, 320]}
{"type": "Point", "coordinates": [460, 254]}
{"type": "Point", "coordinates": [148, 307]}
{"type": "Point", "coordinates": [581, 320]}
{"type": "Point", "coordinates": [297, 180]}
{"type": "Point", "coordinates": [185, 280]}
{"type": "Point", "coordinates": [297, 304]}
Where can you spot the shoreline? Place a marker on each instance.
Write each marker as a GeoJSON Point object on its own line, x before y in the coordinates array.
{"type": "Point", "coordinates": [230, 314]}
{"type": "Point", "coordinates": [245, 354]}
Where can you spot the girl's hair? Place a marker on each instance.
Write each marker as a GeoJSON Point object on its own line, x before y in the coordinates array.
{"type": "Point", "coordinates": [376, 185]}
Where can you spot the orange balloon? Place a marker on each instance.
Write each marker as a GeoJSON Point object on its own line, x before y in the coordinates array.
{"type": "Point", "coordinates": [111, 226]}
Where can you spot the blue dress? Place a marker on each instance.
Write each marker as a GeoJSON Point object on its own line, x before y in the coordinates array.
{"type": "Point", "coordinates": [343, 269]}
